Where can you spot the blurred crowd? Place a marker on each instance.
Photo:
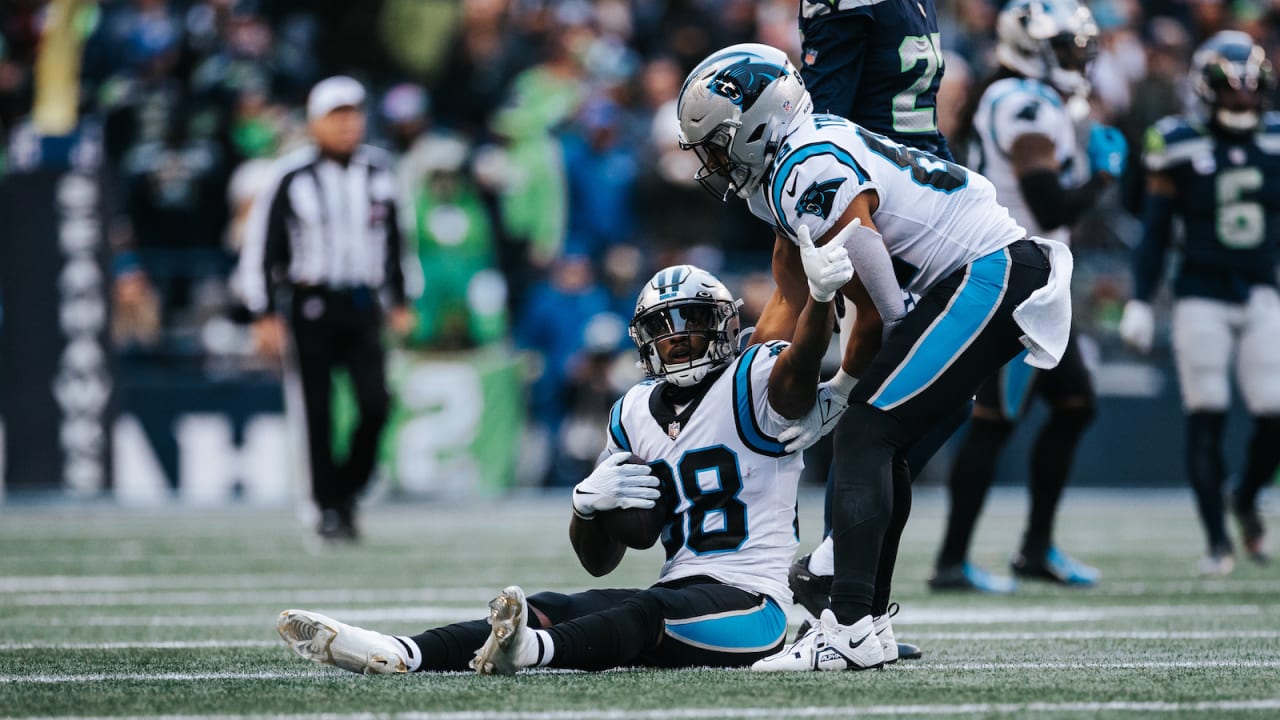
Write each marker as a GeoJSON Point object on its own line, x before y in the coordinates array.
{"type": "Point", "coordinates": [540, 174]}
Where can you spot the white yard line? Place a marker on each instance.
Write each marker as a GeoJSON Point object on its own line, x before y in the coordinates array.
{"type": "Point", "coordinates": [997, 615]}
{"type": "Point", "coordinates": [1097, 635]}
{"type": "Point", "coordinates": [310, 596]}
{"type": "Point", "coordinates": [752, 712]}
{"type": "Point", "coordinates": [141, 645]}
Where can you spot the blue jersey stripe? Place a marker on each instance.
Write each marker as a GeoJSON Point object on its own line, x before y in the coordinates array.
{"type": "Point", "coordinates": [616, 431]}
{"type": "Point", "coordinates": [744, 410]}
{"type": "Point", "coordinates": [754, 630]}
{"type": "Point", "coordinates": [1015, 385]}
{"type": "Point", "coordinates": [799, 155]}
{"type": "Point", "coordinates": [965, 316]}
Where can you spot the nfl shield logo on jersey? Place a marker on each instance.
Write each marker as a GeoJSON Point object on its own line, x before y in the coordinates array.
{"type": "Point", "coordinates": [673, 429]}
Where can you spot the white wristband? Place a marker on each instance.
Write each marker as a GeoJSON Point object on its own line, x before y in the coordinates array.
{"type": "Point", "coordinates": [842, 383]}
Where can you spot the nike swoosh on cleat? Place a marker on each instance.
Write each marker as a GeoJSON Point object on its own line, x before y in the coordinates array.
{"type": "Point", "coordinates": [853, 644]}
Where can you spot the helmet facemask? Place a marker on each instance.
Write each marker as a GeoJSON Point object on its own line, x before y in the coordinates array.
{"type": "Point", "coordinates": [1068, 57]}
{"type": "Point", "coordinates": [695, 335]}
{"type": "Point", "coordinates": [720, 174]}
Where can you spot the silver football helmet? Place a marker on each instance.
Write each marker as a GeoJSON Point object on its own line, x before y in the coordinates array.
{"type": "Point", "coordinates": [1049, 40]}
{"type": "Point", "coordinates": [1233, 81]}
{"type": "Point", "coordinates": [684, 300]}
{"type": "Point", "coordinates": [734, 109]}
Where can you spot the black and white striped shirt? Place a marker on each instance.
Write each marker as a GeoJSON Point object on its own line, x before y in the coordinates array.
{"type": "Point", "coordinates": [323, 223]}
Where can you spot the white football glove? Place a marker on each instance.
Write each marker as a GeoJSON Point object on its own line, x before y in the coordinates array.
{"type": "Point", "coordinates": [827, 268]}
{"type": "Point", "coordinates": [1138, 325]}
{"type": "Point", "coordinates": [821, 418]}
{"type": "Point", "coordinates": [616, 484]}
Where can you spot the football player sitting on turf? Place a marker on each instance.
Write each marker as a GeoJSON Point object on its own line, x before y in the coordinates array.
{"type": "Point", "coordinates": [706, 421]}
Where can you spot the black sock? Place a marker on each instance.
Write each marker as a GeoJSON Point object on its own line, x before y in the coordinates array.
{"type": "Point", "coordinates": [450, 648]}
{"type": "Point", "coordinates": [862, 506]}
{"type": "Point", "coordinates": [1207, 473]}
{"type": "Point", "coordinates": [889, 550]}
{"type": "Point", "coordinates": [1264, 458]}
{"type": "Point", "coordinates": [1051, 459]}
{"type": "Point", "coordinates": [611, 638]}
{"type": "Point", "coordinates": [971, 477]}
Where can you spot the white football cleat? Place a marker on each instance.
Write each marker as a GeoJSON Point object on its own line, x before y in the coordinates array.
{"type": "Point", "coordinates": [323, 640]}
{"type": "Point", "coordinates": [510, 642]}
{"type": "Point", "coordinates": [829, 645]}
{"type": "Point", "coordinates": [888, 643]}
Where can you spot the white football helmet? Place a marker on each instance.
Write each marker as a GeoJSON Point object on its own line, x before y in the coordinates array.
{"type": "Point", "coordinates": [1049, 40]}
{"type": "Point", "coordinates": [734, 109]}
{"type": "Point", "coordinates": [685, 300]}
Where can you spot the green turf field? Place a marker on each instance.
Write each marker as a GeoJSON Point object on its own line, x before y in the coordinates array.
{"type": "Point", "coordinates": [107, 612]}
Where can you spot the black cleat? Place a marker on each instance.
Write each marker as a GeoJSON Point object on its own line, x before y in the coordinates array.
{"type": "Point", "coordinates": [810, 591]}
{"type": "Point", "coordinates": [336, 527]}
{"type": "Point", "coordinates": [968, 577]}
{"type": "Point", "coordinates": [1253, 532]}
{"type": "Point", "coordinates": [1055, 566]}
{"type": "Point", "coordinates": [907, 651]}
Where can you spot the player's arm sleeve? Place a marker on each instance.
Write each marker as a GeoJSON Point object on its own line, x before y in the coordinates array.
{"type": "Point", "coordinates": [266, 247]}
{"type": "Point", "coordinates": [1056, 206]}
{"type": "Point", "coordinates": [1157, 226]}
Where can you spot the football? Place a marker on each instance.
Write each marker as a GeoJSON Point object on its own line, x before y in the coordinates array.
{"type": "Point", "coordinates": [634, 527]}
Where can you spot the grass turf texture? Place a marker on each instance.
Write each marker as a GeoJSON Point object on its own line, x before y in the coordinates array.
{"type": "Point", "coordinates": [107, 612]}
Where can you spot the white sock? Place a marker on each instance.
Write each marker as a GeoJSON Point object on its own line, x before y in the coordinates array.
{"type": "Point", "coordinates": [538, 651]}
{"type": "Point", "coordinates": [823, 559]}
{"type": "Point", "coordinates": [414, 657]}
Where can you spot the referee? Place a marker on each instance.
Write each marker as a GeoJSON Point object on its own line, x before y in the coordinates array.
{"type": "Point", "coordinates": [325, 231]}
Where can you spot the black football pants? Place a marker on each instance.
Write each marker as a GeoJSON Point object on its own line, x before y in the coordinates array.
{"type": "Point", "coordinates": [333, 328]}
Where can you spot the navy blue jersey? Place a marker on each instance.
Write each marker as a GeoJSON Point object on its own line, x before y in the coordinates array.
{"type": "Point", "coordinates": [878, 63]}
{"type": "Point", "coordinates": [1228, 197]}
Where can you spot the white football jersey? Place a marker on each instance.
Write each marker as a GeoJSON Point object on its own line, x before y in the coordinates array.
{"type": "Point", "coordinates": [732, 485]}
{"type": "Point", "coordinates": [1009, 109]}
{"type": "Point", "coordinates": [935, 216]}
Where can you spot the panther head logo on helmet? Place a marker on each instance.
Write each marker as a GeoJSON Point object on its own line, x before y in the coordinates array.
{"type": "Point", "coordinates": [734, 109]}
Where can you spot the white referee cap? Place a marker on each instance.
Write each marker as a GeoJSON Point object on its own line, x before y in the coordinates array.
{"type": "Point", "coordinates": [332, 93]}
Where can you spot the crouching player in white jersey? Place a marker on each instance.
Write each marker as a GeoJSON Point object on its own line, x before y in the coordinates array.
{"type": "Point", "coordinates": [985, 289]}
{"type": "Point", "coordinates": [707, 421]}
{"type": "Point", "coordinates": [1218, 170]}
{"type": "Point", "coordinates": [1024, 126]}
